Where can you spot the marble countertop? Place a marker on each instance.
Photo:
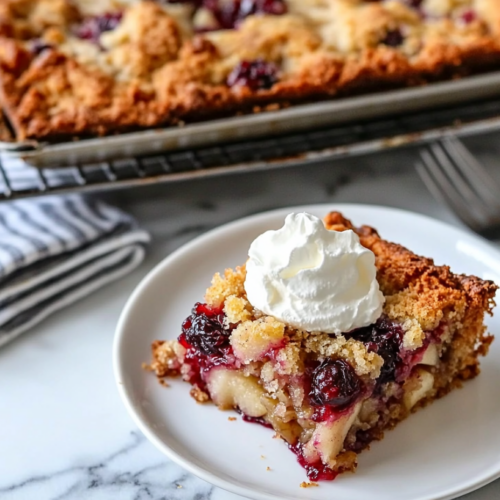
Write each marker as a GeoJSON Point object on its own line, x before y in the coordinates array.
{"type": "Point", "coordinates": [64, 433]}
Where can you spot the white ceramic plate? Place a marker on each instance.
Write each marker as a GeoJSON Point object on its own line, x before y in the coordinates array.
{"type": "Point", "coordinates": [441, 452]}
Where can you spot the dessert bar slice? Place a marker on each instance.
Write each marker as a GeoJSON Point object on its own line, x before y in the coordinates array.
{"type": "Point", "coordinates": [328, 394]}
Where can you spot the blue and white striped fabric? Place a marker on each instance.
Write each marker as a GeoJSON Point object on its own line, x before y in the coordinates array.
{"type": "Point", "coordinates": [55, 250]}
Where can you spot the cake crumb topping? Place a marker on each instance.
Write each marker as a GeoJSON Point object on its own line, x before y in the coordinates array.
{"type": "Point", "coordinates": [251, 340]}
{"type": "Point", "coordinates": [305, 484]}
{"type": "Point", "coordinates": [199, 395]}
{"type": "Point", "coordinates": [237, 309]}
{"type": "Point", "coordinates": [232, 283]}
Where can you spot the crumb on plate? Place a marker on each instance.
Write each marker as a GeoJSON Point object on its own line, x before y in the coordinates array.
{"type": "Point", "coordinates": [304, 484]}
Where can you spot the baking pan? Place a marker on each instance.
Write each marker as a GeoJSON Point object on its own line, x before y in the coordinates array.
{"type": "Point", "coordinates": [262, 124]}
{"type": "Point", "coordinates": [18, 180]}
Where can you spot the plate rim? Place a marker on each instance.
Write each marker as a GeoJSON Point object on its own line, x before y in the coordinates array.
{"type": "Point", "coordinates": [141, 287]}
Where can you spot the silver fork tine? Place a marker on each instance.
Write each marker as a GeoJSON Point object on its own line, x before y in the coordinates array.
{"type": "Point", "coordinates": [451, 171]}
{"type": "Point", "coordinates": [475, 173]}
{"type": "Point", "coordinates": [441, 187]}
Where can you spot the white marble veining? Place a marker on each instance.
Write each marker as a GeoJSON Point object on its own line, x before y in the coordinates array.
{"type": "Point", "coordinates": [64, 433]}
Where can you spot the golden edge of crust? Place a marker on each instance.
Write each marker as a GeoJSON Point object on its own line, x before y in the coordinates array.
{"type": "Point", "coordinates": [95, 104]}
{"type": "Point", "coordinates": [421, 295]}
{"type": "Point", "coordinates": [399, 268]}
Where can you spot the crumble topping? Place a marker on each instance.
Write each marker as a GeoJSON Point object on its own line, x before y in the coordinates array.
{"type": "Point", "coordinates": [289, 361]}
{"type": "Point", "coordinates": [308, 485]}
{"type": "Point", "coordinates": [199, 396]}
{"type": "Point", "coordinates": [444, 7]}
{"type": "Point", "coordinates": [167, 358]}
{"type": "Point", "coordinates": [162, 63]}
{"type": "Point", "coordinates": [232, 283]}
{"type": "Point", "coordinates": [237, 309]}
{"type": "Point", "coordinates": [427, 302]}
{"type": "Point", "coordinates": [363, 361]}
{"type": "Point", "coordinates": [414, 335]}
{"type": "Point", "coordinates": [251, 340]}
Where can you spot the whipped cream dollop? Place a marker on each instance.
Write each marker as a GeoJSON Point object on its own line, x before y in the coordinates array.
{"type": "Point", "coordinates": [312, 278]}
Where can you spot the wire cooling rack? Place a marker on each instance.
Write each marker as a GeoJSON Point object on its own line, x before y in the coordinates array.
{"type": "Point", "coordinates": [19, 180]}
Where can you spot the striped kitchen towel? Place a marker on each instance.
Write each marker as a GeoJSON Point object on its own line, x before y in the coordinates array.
{"type": "Point", "coordinates": [55, 250]}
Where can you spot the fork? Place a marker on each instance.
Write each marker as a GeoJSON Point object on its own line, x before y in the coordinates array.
{"type": "Point", "coordinates": [457, 179]}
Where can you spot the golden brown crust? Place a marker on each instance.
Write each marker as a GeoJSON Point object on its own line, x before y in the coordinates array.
{"type": "Point", "coordinates": [24, 19]}
{"type": "Point", "coordinates": [417, 289]}
{"type": "Point", "coordinates": [151, 71]}
{"type": "Point", "coordinates": [128, 107]}
{"type": "Point", "coordinates": [399, 268]}
{"type": "Point", "coordinates": [165, 356]}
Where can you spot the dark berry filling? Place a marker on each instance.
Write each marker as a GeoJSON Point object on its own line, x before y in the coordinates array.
{"type": "Point", "coordinates": [333, 386]}
{"type": "Point", "coordinates": [93, 27]}
{"type": "Point", "coordinates": [386, 339]}
{"type": "Point", "coordinates": [255, 75]}
{"type": "Point", "coordinates": [414, 3]}
{"type": "Point", "coordinates": [206, 340]}
{"type": "Point", "coordinates": [251, 7]}
{"type": "Point", "coordinates": [255, 420]}
{"type": "Point", "coordinates": [205, 330]}
{"type": "Point", "coordinates": [38, 46]}
{"type": "Point", "coordinates": [227, 14]}
{"type": "Point", "coordinates": [393, 38]}
{"type": "Point", "coordinates": [334, 383]}
{"type": "Point", "coordinates": [469, 16]}
{"type": "Point", "coordinates": [200, 364]}
{"type": "Point", "coordinates": [316, 471]}
{"type": "Point", "coordinates": [275, 7]}
{"type": "Point", "coordinates": [230, 13]}
{"type": "Point", "coordinates": [363, 439]}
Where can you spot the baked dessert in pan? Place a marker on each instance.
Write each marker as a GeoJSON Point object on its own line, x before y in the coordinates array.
{"type": "Point", "coordinates": [76, 68]}
{"type": "Point", "coordinates": [330, 335]}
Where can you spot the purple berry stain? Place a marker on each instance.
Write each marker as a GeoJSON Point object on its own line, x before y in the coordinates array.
{"type": "Point", "coordinates": [393, 38]}
{"type": "Point", "coordinates": [205, 329]}
{"type": "Point", "coordinates": [386, 339]}
{"type": "Point", "coordinates": [469, 16]}
{"type": "Point", "coordinates": [230, 13]}
{"type": "Point", "coordinates": [416, 4]}
{"type": "Point", "coordinates": [335, 383]}
{"type": "Point", "coordinates": [93, 27]}
{"type": "Point", "coordinates": [255, 75]}
{"type": "Point", "coordinates": [38, 46]}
